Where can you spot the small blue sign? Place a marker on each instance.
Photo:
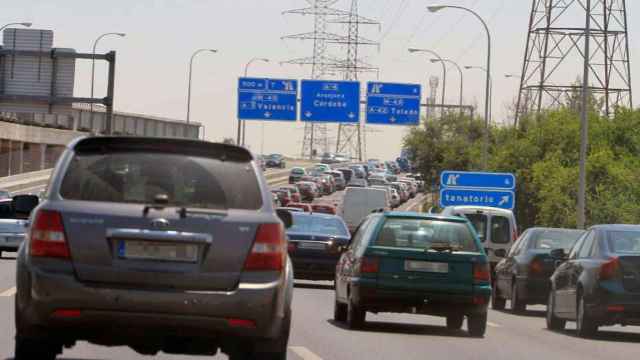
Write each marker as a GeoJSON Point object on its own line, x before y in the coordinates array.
{"type": "Point", "coordinates": [267, 99]}
{"type": "Point", "coordinates": [330, 101]}
{"type": "Point", "coordinates": [477, 197]}
{"type": "Point", "coordinates": [393, 104]}
{"type": "Point", "coordinates": [477, 180]}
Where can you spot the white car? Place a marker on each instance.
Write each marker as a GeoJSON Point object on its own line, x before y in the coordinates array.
{"type": "Point", "coordinates": [358, 203]}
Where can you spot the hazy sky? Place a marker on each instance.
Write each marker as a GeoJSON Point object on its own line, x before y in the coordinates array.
{"type": "Point", "coordinates": [162, 34]}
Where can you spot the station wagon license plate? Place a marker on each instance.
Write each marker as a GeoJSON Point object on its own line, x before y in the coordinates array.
{"type": "Point", "coordinates": [425, 266]}
{"type": "Point", "coordinates": [159, 251]}
{"type": "Point", "coordinates": [312, 245]}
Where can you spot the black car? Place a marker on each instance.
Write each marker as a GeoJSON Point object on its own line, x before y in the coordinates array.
{"type": "Point", "coordinates": [523, 276]}
{"type": "Point", "coordinates": [275, 161]}
{"type": "Point", "coordinates": [315, 244]}
{"type": "Point", "coordinates": [348, 174]}
{"type": "Point", "coordinates": [599, 283]}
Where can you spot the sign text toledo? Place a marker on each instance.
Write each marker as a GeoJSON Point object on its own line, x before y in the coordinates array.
{"type": "Point", "coordinates": [393, 104]}
{"type": "Point", "coordinates": [477, 189]}
{"type": "Point", "coordinates": [330, 101]}
{"type": "Point", "coordinates": [267, 99]}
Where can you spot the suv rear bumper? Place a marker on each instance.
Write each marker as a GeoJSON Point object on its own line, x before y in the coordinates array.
{"type": "Point", "coordinates": [119, 313]}
{"type": "Point", "coordinates": [406, 301]}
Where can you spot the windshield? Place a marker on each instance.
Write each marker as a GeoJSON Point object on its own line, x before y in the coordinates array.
{"type": "Point", "coordinates": [624, 242]}
{"type": "Point", "coordinates": [298, 171]}
{"type": "Point", "coordinates": [319, 225]}
{"type": "Point", "coordinates": [187, 181]}
{"type": "Point", "coordinates": [554, 239]}
{"type": "Point", "coordinates": [423, 234]}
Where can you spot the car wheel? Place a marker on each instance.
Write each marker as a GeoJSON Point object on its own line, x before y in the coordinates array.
{"type": "Point", "coordinates": [340, 311]}
{"type": "Point", "coordinates": [35, 348]}
{"type": "Point", "coordinates": [586, 326]}
{"type": "Point", "coordinates": [477, 324]}
{"type": "Point", "coordinates": [454, 322]}
{"type": "Point", "coordinates": [553, 322]}
{"type": "Point", "coordinates": [497, 302]}
{"type": "Point", "coordinates": [355, 316]}
{"type": "Point", "coordinates": [517, 305]}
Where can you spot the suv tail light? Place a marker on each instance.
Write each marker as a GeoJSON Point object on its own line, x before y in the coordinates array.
{"type": "Point", "coordinates": [369, 265]}
{"type": "Point", "coordinates": [481, 272]}
{"type": "Point", "coordinates": [46, 237]}
{"type": "Point", "coordinates": [610, 269]}
{"type": "Point", "coordinates": [269, 249]}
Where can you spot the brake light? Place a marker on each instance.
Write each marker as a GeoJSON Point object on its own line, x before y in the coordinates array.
{"type": "Point", "coordinates": [481, 272]}
{"type": "Point", "coordinates": [66, 313]}
{"type": "Point", "coordinates": [268, 251]}
{"type": "Point", "coordinates": [291, 247]}
{"type": "Point", "coordinates": [369, 265]}
{"type": "Point", "coordinates": [536, 267]}
{"type": "Point", "coordinates": [46, 237]}
{"type": "Point", "coordinates": [610, 269]}
{"type": "Point", "coordinates": [615, 308]}
{"type": "Point", "coordinates": [242, 323]}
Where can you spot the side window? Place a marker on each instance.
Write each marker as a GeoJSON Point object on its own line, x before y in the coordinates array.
{"type": "Point", "coordinates": [367, 235]}
{"type": "Point", "coordinates": [578, 245]}
{"type": "Point", "coordinates": [520, 244]}
{"type": "Point", "coordinates": [585, 250]}
{"type": "Point", "coordinates": [359, 234]}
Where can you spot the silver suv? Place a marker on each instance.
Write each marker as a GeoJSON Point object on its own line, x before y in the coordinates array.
{"type": "Point", "coordinates": [156, 244]}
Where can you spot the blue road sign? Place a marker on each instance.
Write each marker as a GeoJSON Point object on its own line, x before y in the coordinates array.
{"type": "Point", "coordinates": [393, 104]}
{"type": "Point", "coordinates": [267, 99]}
{"type": "Point", "coordinates": [478, 180]}
{"type": "Point", "coordinates": [477, 197]}
{"type": "Point", "coordinates": [330, 101]}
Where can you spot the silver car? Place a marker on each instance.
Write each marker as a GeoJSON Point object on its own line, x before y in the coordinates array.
{"type": "Point", "coordinates": [12, 228]}
{"type": "Point", "coordinates": [157, 244]}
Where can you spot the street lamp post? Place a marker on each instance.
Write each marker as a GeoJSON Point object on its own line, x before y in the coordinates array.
{"type": "Point", "coordinates": [93, 60]}
{"type": "Point", "coordinates": [244, 122]}
{"type": "Point", "coordinates": [485, 152]}
{"type": "Point", "coordinates": [25, 24]}
{"type": "Point", "coordinates": [190, 77]}
{"type": "Point", "coordinates": [461, 76]}
{"type": "Point", "coordinates": [444, 70]}
{"type": "Point", "coordinates": [490, 88]}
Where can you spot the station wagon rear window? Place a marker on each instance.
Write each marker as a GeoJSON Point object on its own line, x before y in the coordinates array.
{"type": "Point", "coordinates": [423, 234]}
{"type": "Point", "coordinates": [139, 177]}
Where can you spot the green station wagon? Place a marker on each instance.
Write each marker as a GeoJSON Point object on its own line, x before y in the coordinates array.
{"type": "Point", "coordinates": [414, 263]}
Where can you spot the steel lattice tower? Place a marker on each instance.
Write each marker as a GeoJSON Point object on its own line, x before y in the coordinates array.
{"type": "Point", "coordinates": [554, 56]}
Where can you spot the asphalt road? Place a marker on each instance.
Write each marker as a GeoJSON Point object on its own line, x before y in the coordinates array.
{"type": "Point", "coordinates": [387, 336]}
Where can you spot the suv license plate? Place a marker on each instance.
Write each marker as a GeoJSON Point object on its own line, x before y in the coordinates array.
{"type": "Point", "coordinates": [424, 266]}
{"type": "Point", "coordinates": [160, 251]}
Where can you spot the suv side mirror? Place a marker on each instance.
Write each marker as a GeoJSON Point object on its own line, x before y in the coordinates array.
{"type": "Point", "coordinates": [558, 254]}
{"type": "Point", "coordinates": [286, 217]}
{"type": "Point", "coordinates": [23, 205]}
{"type": "Point", "coordinates": [501, 253]}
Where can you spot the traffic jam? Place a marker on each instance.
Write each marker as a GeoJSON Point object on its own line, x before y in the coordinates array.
{"type": "Point", "coordinates": [124, 220]}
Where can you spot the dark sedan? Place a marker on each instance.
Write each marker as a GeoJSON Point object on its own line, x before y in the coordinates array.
{"type": "Point", "coordinates": [523, 276]}
{"type": "Point", "coordinates": [315, 245]}
{"type": "Point", "coordinates": [275, 161]}
{"type": "Point", "coordinates": [599, 283]}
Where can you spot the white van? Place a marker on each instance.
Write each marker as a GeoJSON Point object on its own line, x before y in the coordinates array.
{"type": "Point", "coordinates": [358, 203]}
{"type": "Point", "coordinates": [496, 228]}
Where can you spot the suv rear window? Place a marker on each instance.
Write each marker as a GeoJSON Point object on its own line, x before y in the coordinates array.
{"type": "Point", "coordinates": [138, 177]}
{"type": "Point", "coordinates": [422, 234]}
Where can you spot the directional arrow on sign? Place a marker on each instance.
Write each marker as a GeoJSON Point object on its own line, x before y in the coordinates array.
{"type": "Point", "coordinates": [352, 115]}
{"type": "Point", "coordinates": [393, 119]}
{"type": "Point", "coordinates": [503, 201]}
{"type": "Point", "coordinates": [308, 114]}
{"type": "Point", "coordinates": [267, 114]}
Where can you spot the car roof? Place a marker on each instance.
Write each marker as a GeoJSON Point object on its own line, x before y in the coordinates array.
{"type": "Point", "coordinates": [422, 216]}
{"type": "Point", "coordinates": [611, 227]}
{"type": "Point", "coordinates": [542, 228]}
{"type": "Point", "coordinates": [318, 215]}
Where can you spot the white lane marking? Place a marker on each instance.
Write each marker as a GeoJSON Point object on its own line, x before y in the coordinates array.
{"type": "Point", "coordinates": [489, 323]}
{"type": "Point", "coordinates": [8, 292]}
{"type": "Point", "coordinates": [304, 353]}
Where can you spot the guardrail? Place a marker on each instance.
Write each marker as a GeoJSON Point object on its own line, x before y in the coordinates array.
{"type": "Point", "coordinates": [19, 182]}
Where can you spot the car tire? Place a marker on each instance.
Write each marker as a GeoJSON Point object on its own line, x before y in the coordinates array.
{"type": "Point", "coordinates": [497, 302]}
{"type": "Point", "coordinates": [340, 311]}
{"type": "Point", "coordinates": [454, 322]}
{"type": "Point", "coordinates": [517, 305]}
{"type": "Point", "coordinates": [553, 322]}
{"type": "Point", "coordinates": [356, 316]}
{"type": "Point", "coordinates": [585, 325]}
{"type": "Point", "coordinates": [477, 324]}
{"type": "Point", "coordinates": [35, 348]}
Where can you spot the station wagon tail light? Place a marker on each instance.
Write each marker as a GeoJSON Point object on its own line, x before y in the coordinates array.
{"type": "Point", "coordinates": [47, 237]}
{"type": "Point", "coordinates": [369, 265]}
{"type": "Point", "coordinates": [610, 269]}
{"type": "Point", "coordinates": [481, 272]}
{"type": "Point", "coordinates": [269, 249]}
